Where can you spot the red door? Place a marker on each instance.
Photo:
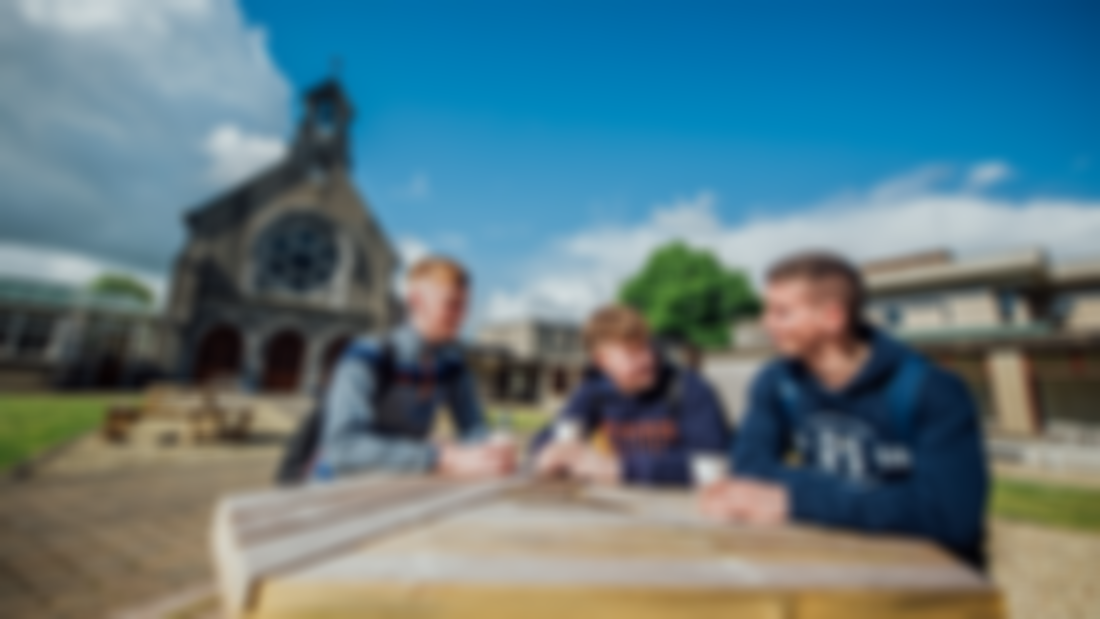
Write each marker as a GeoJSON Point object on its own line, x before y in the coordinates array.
{"type": "Point", "coordinates": [283, 358]}
{"type": "Point", "coordinates": [219, 354]}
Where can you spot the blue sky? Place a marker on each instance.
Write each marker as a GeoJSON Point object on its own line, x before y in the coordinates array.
{"type": "Point", "coordinates": [546, 141]}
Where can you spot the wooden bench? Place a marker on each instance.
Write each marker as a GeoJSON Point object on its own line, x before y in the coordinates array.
{"type": "Point", "coordinates": [212, 421]}
{"type": "Point", "coordinates": [118, 420]}
{"type": "Point", "coordinates": [422, 547]}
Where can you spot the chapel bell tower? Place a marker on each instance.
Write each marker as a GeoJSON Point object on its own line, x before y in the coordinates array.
{"type": "Point", "coordinates": [323, 135]}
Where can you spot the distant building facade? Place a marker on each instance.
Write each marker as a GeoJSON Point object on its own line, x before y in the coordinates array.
{"type": "Point", "coordinates": [1023, 332]}
{"type": "Point", "coordinates": [53, 335]}
{"type": "Point", "coordinates": [280, 272]}
{"type": "Point", "coordinates": [528, 361]}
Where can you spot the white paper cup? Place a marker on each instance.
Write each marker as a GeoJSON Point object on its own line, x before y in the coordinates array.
{"type": "Point", "coordinates": [501, 438]}
{"type": "Point", "coordinates": [567, 431]}
{"type": "Point", "coordinates": [708, 469]}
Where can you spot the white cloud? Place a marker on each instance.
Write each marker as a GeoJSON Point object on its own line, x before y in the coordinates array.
{"type": "Point", "coordinates": [419, 187]}
{"type": "Point", "coordinates": [81, 16]}
{"type": "Point", "coordinates": [988, 173]}
{"type": "Point", "coordinates": [578, 272]}
{"type": "Point", "coordinates": [410, 250]}
{"type": "Point", "coordinates": [113, 116]}
{"type": "Point", "coordinates": [236, 155]}
{"type": "Point", "coordinates": [66, 267]}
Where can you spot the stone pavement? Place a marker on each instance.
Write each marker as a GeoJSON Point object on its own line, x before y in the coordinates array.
{"type": "Point", "coordinates": [1047, 573]}
{"type": "Point", "coordinates": [105, 528]}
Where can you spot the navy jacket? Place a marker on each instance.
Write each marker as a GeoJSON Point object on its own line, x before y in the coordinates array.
{"type": "Point", "coordinates": [654, 433]}
{"type": "Point", "coordinates": [841, 457]}
{"type": "Point", "coordinates": [348, 442]}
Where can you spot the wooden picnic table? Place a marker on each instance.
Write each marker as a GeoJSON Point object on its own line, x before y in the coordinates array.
{"type": "Point", "coordinates": [423, 547]}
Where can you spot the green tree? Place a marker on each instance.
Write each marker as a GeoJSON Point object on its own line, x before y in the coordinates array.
{"type": "Point", "coordinates": [688, 296]}
{"type": "Point", "coordinates": [119, 285]}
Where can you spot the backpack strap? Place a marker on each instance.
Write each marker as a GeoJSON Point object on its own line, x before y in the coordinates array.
{"type": "Point", "coordinates": [789, 398]}
{"type": "Point", "coordinates": [674, 395]}
{"type": "Point", "coordinates": [381, 358]}
{"type": "Point", "coordinates": [452, 366]}
{"type": "Point", "coordinates": [902, 396]}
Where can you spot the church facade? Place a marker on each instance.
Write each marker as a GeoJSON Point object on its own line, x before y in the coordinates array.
{"type": "Point", "coordinates": [280, 272]}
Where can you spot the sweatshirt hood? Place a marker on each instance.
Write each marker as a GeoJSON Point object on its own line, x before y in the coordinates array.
{"type": "Point", "coordinates": [886, 354]}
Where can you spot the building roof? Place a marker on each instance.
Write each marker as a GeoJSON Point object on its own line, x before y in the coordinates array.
{"type": "Point", "coordinates": [932, 257]}
{"type": "Point", "coordinates": [25, 291]}
{"type": "Point", "coordinates": [1029, 266]}
{"type": "Point", "coordinates": [1079, 272]}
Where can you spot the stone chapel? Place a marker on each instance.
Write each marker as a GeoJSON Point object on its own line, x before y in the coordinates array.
{"type": "Point", "coordinates": [280, 272]}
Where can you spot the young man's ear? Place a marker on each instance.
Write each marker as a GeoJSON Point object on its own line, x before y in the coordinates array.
{"type": "Point", "coordinates": [837, 316]}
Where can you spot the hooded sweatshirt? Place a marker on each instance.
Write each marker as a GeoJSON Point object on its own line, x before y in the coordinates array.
{"type": "Point", "coordinates": [847, 462]}
{"type": "Point", "coordinates": [653, 433]}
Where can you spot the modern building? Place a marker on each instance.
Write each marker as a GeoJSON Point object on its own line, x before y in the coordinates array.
{"type": "Point", "coordinates": [53, 335]}
{"type": "Point", "coordinates": [532, 361]}
{"type": "Point", "coordinates": [1024, 333]}
{"type": "Point", "coordinates": [280, 272]}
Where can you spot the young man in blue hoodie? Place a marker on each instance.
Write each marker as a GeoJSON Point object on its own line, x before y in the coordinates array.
{"type": "Point", "coordinates": [640, 419]}
{"type": "Point", "coordinates": [850, 428]}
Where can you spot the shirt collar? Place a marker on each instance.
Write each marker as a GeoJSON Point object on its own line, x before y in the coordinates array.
{"type": "Point", "coordinates": [411, 346]}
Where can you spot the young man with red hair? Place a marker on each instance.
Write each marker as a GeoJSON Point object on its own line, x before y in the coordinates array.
{"type": "Point", "coordinates": [380, 408]}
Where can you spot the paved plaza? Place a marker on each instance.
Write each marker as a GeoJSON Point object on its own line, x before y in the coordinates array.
{"type": "Point", "coordinates": [105, 530]}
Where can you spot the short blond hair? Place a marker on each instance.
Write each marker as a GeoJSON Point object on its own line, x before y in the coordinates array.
{"type": "Point", "coordinates": [615, 324]}
{"type": "Point", "coordinates": [439, 269]}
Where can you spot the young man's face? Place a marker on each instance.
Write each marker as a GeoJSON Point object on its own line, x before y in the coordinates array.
{"type": "Point", "coordinates": [437, 309]}
{"type": "Point", "coordinates": [631, 366]}
{"type": "Point", "coordinates": [799, 319]}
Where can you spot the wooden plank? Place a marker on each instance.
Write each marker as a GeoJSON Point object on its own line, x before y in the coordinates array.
{"type": "Point", "coordinates": [305, 526]}
{"type": "Point", "coordinates": [348, 600]}
{"type": "Point", "coordinates": [496, 602]}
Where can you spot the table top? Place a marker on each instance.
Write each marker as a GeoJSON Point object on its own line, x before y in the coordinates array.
{"type": "Point", "coordinates": [418, 546]}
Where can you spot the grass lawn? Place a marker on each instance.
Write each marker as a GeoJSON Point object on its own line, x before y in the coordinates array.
{"type": "Point", "coordinates": [30, 424]}
{"type": "Point", "coordinates": [524, 422]}
{"type": "Point", "coordinates": [1049, 505]}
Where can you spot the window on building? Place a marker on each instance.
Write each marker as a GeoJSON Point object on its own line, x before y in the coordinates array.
{"type": "Point", "coordinates": [33, 337]}
{"type": "Point", "coordinates": [7, 329]}
{"type": "Point", "coordinates": [1006, 304]}
{"type": "Point", "coordinates": [891, 315]}
{"type": "Point", "coordinates": [297, 254]}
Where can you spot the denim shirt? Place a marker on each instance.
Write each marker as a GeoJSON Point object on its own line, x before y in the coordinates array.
{"type": "Point", "coordinates": [349, 443]}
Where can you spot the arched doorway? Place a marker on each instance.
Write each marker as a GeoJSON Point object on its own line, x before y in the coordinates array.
{"type": "Point", "coordinates": [283, 355]}
{"type": "Point", "coordinates": [333, 352]}
{"type": "Point", "coordinates": [559, 381]}
{"type": "Point", "coordinates": [108, 372]}
{"type": "Point", "coordinates": [219, 354]}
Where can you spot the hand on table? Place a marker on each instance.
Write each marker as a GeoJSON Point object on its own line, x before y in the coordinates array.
{"type": "Point", "coordinates": [555, 460]}
{"type": "Point", "coordinates": [575, 460]}
{"type": "Point", "coordinates": [598, 468]}
{"type": "Point", "coordinates": [751, 502]}
{"type": "Point", "coordinates": [476, 461]}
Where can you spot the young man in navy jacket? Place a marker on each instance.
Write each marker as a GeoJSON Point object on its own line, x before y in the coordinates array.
{"type": "Point", "coordinates": [361, 434]}
{"type": "Point", "coordinates": [850, 428]}
{"type": "Point", "coordinates": [640, 418]}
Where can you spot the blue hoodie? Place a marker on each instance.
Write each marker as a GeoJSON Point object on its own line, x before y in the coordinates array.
{"type": "Point", "coordinates": [656, 432]}
{"type": "Point", "coordinates": [854, 470]}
